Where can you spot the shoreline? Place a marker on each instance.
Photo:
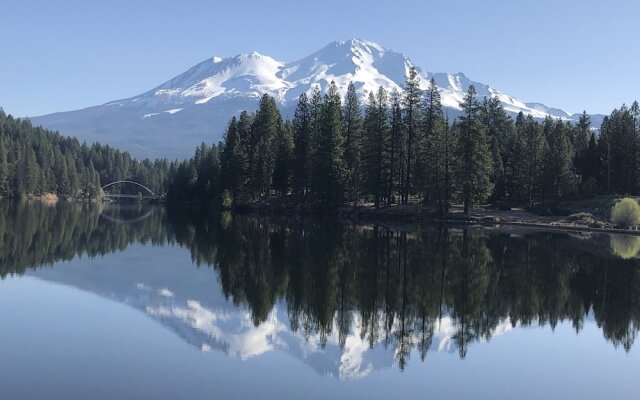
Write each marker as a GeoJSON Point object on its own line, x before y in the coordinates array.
{"type": "Point", "coordinates": [414, 213]}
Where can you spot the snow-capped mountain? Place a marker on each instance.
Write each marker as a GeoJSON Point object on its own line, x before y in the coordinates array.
{"type": "Point", "coordinates": [171, 119]}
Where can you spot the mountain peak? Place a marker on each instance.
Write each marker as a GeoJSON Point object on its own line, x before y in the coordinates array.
{"type": "Point", "coordinates": [253, 54]}
{"type": "Point", "coordinates": [355, 44]}
{"type": "Point", "coordinates": [200, 101]}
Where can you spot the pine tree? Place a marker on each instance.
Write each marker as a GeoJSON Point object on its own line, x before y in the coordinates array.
{"type": "Point", "coordinates": [329, 167]}
{"type": "Point", "coordinates": [263, 132]}
{"type": "Point", "coordinates": [412, 110]}
{"type": "Point", "coordinates": [74, 181]}
{"type": "Point", "coordinates": [94, 187]}
{"type": "Point", "coordinates": [581, 146]}
{"type": "Point", "coordinates": [431, 159]}
{"type": "Point", "coordinates": [635, 144]}
{"type": "Point", "coordinates": [529, 149]}
{"type": "Point", "coordinates": [31, 172]}
{"type": "Point", "coordinates": [315, 109]}
{"type": "Point", "coordinates": [62, 176]}
{"type": "Point", "coordinates": [397, 152]}
{"type": "Point", "coordinates": [377, 141]}
{"type": "Point", "coordinates": [591, 167]}
{"type": "Point", "coordinates": [604, 153]}
{"type": "Point", "coordinates": [619, 148]}
{"type": "Point", "coordinates": [283, 159]}
{"type": "Point", "coordinates": [301, 140]}
{"type": "Point", "coordinates": [4, 168]}
{"type": "Point", "coordinates": [472, 153]}
{"type": "Point", "coordinates": [558, 162]}
{"type": "Point", "coordinates": [247, 143]}
{"type": "Point", "coordinates": [449, 147]}
{"type": "Point", "coordinates": [352, 127]}
{"type": "Point", "coordinates": [211, 173]}
{"type": "Point", "coordinates": [499, 130]}
{"type": "Point", "coordinates": [233, 161]}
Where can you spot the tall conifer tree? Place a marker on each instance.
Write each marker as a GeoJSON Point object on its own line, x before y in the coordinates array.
{"type": "Point", "coordinates": [396, 148]}
{"type": "Point", "coordinates": [283, 159]}
{"type": "Point", "coordinates": [301, 139]}
{"type": "Point", "coordinates": [431, 159]}
{"type": "Point", "coordinates": [329, 167]}
{"type": "Point", "coordinates": [352, 127]}
{"type": "Point", "coordinates": [264, 131]}
{"type": "Point", "coordinates": [473, 155]}
{"type": "Point", "coordinates": [376, 145]}
{"type": "Point", "coordinates": [412, 121]}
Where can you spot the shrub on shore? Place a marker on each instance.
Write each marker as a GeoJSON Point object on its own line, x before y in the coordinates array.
{"type": "Point", "coordinates": [626, 212]}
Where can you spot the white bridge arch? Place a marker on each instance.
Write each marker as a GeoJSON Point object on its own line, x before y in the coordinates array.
{"type": "Point", "coordinates": [153, 195]}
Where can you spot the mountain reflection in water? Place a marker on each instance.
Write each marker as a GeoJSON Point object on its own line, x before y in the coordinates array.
{"type": "Point", "coordinates": [348, 298]}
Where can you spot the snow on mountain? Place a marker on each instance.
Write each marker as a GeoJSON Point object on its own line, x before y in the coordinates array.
{"type": "Point", "coordinates": [247, 75]}
{"type": "Point", "coordinates": [171, 119]}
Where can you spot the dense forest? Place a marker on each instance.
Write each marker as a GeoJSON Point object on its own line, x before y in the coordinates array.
{"type": "Point", "coordinates": [401, 147]}
{"type": "Point", "coordinates": [398, 148]}
{"type": "Point", "coordinates": [400, 284]}
{"type": "Point", "coordinates": [35, 161]}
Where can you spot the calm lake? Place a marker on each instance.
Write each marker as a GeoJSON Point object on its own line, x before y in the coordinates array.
{"type": "Point", "coordinates": [141, 302]}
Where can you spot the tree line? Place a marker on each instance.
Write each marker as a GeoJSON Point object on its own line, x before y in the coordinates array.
{"type": "Point", "coordinates": [397, 148]}
{"type": "Point", "coordinates": [35, 161]}
{"type": "Point", "coordinates": [401, 146]}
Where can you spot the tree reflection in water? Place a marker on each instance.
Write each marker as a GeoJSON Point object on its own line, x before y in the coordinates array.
{"type": "Point", "coordinates": [399, 285]}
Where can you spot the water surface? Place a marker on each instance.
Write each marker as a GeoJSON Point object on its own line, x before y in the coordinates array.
{"type": "Point", "coordinates": [107, 302]}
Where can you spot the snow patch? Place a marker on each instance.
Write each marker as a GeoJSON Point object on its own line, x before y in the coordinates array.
{"type": "Point", "coordinates": [172, 111]}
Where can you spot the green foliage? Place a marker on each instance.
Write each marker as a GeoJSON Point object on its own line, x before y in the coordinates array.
{"type": "Point", "coordinates": [283, 159]}
{"type": "Point", "coordinates": [412, 104]}
{"type": "Point", "coordinates": [558, 168]}
{"type": "Point", "coordinates": [397, 150]}
{"type": "Point", "coordinates": [473, 155]}
{"type": "Point", "coordinates": [405, 147]}
{"type": "Point", "coordinates": [584, 218]}
{"type": "Point", "coordinates": [499, 128]}
{"type": "Point", "coordinates": [328, 176]}
{"type": "Point", "coordinates": [619, 150]}
{"type": "Point", "coordinates": [352, 127]}
{"type": "Point", "coordinates": [433, 174]}
{"type": "Point", "coordinates": [35, 161]}
{"type": "Point", "coordinates": [377, 139]}
{"type": "Point", "coordinates": [197, 179]}
{"type": "Point", "coordinates": [626, 212]}
{"type": "Point", "coordinates": [264, 131]}
{"type": "Point", "coordinates": [233, 160]}
{"type": "Point", "coordinates": [302, 126]}
{"type": "Point", "coordinates": [227, 199]}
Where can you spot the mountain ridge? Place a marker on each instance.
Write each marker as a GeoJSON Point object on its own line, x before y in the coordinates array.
{"type": "Point", "coordinates": [195, 106]}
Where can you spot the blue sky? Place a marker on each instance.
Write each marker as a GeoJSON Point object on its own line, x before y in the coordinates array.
{"type": "Point", "coordinates": [65, 55]}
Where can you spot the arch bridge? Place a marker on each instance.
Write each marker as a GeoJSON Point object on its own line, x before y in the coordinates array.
{"type": "Point", "coordinates": [149, 196]}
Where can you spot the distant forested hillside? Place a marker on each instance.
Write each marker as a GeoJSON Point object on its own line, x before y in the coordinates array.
{"type": "Point", "coordinates": [35, 161]}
